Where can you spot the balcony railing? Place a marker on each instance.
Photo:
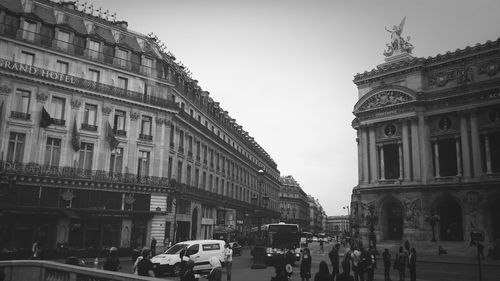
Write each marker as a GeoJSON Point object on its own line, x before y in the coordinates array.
{"type": "Point", "coordinates": [89, 127]}
{"type": "Point", "coordinates": [121, 133]}
{"type": "Point", "coordinates": [145, 137]}
{"type": "Point", "coordinates": [59, 122]}
{"type": "Point", "coordinates": [20, 115]}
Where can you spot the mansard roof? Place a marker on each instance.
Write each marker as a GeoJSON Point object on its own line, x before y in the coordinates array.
{"type": "Point", "coordinates": [415, 63]}
{"type": "Point", "coordinates": [12, 5]}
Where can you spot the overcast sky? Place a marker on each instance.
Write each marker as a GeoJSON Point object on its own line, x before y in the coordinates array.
{"type": "Point", "coordinates": [284, 69]}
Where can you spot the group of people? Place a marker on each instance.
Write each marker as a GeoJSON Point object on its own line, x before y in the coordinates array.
{"type": "Point", "coordinates": [405, 258]}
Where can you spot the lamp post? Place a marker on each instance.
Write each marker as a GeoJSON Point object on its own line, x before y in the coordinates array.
{"type": "Point", "coordinates": [260, 201]}
{"type": "Point", "coordinates": [372, 219]}
{"type": "Point", "coordinates": [433, 219]}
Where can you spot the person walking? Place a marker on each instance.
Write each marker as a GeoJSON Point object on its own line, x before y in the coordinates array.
{"type": "Point", "coordinates": [321, 248]}
{"type": "Point", "coordinates": [145, 266]}
{"type": "Point", "coordinates": [356, 269]}
{"type": "Point", "coordinates": [412, 264]}
{"type": "Point", "coordinates": [401, 263]}
{"type": "Point", "coordinates": [228, 259]}
{"type": "Point", "coordinates": [35, 250]}
{"type": "Point", "coordinates": [372, 266]}
{"type": "Point", "coordinates": [334, 260]}
{"type": "Point", "coordinates": [189, 273]}
{"type": "Point", "coordinates": [112, 263]}
{"type": "Point", "coordinates": [386, 256]}
{"type": "Point", "coordinates": [323, 274]}
{"type": "Point", "coordinates": [153, 247]}
{"type": "Point", "coordinates": [216, 272]}
{"type": "Point", "coordinates": [346, 269]}
{"type": "Point", "coordinates": [305, 264]}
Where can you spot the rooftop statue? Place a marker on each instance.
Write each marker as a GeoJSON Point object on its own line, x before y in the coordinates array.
{"type": "Point", "coordinates": [398, 43]}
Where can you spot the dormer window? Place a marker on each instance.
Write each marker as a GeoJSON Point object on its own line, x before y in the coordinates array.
{"type": "Point", "coordinates": [121, 56]}
{"type": "Point", "coordinates": [29, 31]}
{"type": "Point", "coordinates": [63, 40]}
{"type": "Point", "coordinates": [147, 64]}
{"type": "Point", "coordinates": [94, 48]}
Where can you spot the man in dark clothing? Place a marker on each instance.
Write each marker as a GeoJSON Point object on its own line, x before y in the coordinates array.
{"type": "Point", "coordinates": [387, 264]}
{"type": "Point", "coordinates": [112, 262]}
{"type": "Point", "coordinates": [334, 259]}
{"type": "Point", "coordinates": [412, 264]}
{"type": "Point", "coordinates": [145, 266]}
{"type": "Point", "coordinates": [153, 247]}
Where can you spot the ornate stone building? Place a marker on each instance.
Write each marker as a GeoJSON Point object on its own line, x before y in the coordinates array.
{"type": "Point", "coordinates": [105, 140]}
{"type": "Point", "coordinates": [317, 216]}
{"type": "Point", "coordinates": [428, 134]}
{"type": "Point", "coordinates": [293, 203]}
{"type": "Point", "coordinates": [337, 226]}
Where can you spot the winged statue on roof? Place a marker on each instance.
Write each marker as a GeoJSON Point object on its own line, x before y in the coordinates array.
{"type": "Point", "coordinates": [398, 43]}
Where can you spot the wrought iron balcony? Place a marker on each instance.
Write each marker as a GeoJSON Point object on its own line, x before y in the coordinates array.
{"type": "Point", "coordinates": [89, 127]}
{"type": "Point", "coordinates": [20, 115]}
{"type": "Point", "coordinates": [145, 137]}
{"type": "Point", "coordinates": [121, 133]}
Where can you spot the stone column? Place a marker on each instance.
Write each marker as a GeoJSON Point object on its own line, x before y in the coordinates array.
{"type": "Point", "coordinates": [464, 140]}
{"type": "Point", "coordinates": [415, 151]}
{"type": "Point", "coordinates": [382, 164]}
{"type": "Point", "coordinates": [459, 157]}
{"type": "Point", "coordinates": [404, 157]}
{"type": "Point", "coordinates": [436, 159]}
{"type": "Point", "coordinates": [364, 152]}
{"type": "Point", "coordinates": [487, 153]}
{"type": "Point", "coordinates": [476, 151]}
{"type": "Point", "coordinates": [372, 155]}
{"type": "Point", "coordinates": [360, 157]}
{"type": "Point", "coordinates": [425, 149]}
{"type": "Point", "coordinates": [400, 152]}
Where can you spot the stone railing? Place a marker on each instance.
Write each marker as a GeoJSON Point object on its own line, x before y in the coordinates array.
{"type": "Point", "coordinates": [52, 271]}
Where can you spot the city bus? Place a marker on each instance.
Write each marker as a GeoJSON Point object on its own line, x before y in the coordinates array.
{"type": "Point", "coordinates": [279, 238]}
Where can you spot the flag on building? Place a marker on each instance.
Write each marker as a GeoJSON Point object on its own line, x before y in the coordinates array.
{"type": "Point", "coordinates": [113, 141]}
{"type": "Point", "coordinates": [75, 137]}
{"type": "Point", "coordinates": [46, 120]}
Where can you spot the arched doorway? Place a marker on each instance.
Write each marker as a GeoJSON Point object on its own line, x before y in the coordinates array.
{"type": "Point", "coordinates": [194, 224]}
{"type": "Point", "coordinates": [451, 228]}
{"type": "Point", "coordinates": [392, 220]}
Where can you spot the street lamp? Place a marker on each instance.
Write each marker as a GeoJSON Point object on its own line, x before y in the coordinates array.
{"type": "Point", "coordinates": [372, 219]}
{"type": "Point", "coordinates": [433, 219]}
{"type": "Point", "coordinates": [260, 201]}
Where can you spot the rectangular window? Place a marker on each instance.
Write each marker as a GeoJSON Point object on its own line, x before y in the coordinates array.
{"type": "Point", "coordinates": [146, 125]}
{"type": "Point", "coordinates": [210, 182]}
{"type": "Point", "coordinates": [123, 83]}
{"type": "Point", "coordinates": [23, 98]}
{"type": "Point", "coordinates": [63, 40]}
{"type": "Point", "coordinates": [95, 75]}
{"type": "Point", "coordinates": [116, 161]}
{"type": "Point", "coordinates": [143, 164]}
{"type": "Point", "coordinates": [190, 146]}
{"type": "Point", "coordinates": [58, 105]}
{"type": "Point", "coordinates": [52, 152]}
{"type": "Point", "coordinates": [196, 177]}
{"type": "Point", "coordinates": [179, 171]}
{"type": "Point", "coordinates": [27, 58]}
{"type": "Point", "coordinates": [121, 56]}
{"type": "Point", "coordinates": [204, 180]}
{"type": "Point", "coordinates": [86, 154]}
{"type": "Point", "coordinates": [169, 171]}
{"type": "Point", "coordinates": [94, 49]}
{"type": "Point", "coordinates": [90, 115]}
{"type": "Point", "coordinates": [181, 141]}
{"type": "Point", "coordinates": [29, 31]}
{"type": "Point", "coordinates": [188, 175]}
{"type": "Point", "coordinates": [119, 122]}
{"type": "Point", "coordinates": [148, 65]}
{"type": "Point", "coordinates": [15, 152]}
{"type": "Point", "coordinates": [172, 130]}
{"type": "Point", "coordinates": [62, 67]}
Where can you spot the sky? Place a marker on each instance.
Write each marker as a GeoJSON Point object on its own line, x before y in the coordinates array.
{"type": "Point", "coordinates": [284, 69]}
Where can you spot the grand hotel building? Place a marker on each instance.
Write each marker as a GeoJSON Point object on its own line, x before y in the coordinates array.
{"type": "Point", "coordinates": [106, 141]}
{"type": "Point", "coordinates": [428, 132]}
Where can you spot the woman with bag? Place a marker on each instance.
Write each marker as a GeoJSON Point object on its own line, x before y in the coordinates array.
{"type": "Point", "coordinates": [305, 264]}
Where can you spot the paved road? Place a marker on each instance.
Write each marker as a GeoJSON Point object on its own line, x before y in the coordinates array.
{"type": "Point", "coordinates": [434, 270]}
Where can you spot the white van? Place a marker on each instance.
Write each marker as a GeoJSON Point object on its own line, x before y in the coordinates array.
{"type": "Point", "coordinates": [199, 251]}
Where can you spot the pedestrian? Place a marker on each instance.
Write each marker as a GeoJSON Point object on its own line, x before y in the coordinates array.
{"type": "Point", "coordinates": [386, 256]}
{"type": "Point", "coordinates": [400, 263]}
{"type": "Point", "coordinates": [356, 257]}
{"type": "Point", "coordinates": [321, 249]}
{"type": "Point", "coordinates": [323, 273]}
{"type": "Point", "coordinates": [346, 269]}
{"type": "Point", "coordinates": [35, 250]}
{"type": "Point", "coordinates": [136, 262]}
{"type": "Point", "coordinates": [334, 260]}
{"type": "Point", "coordinates": [153, 247]}
{"type": "Point", "coordinates": [228, 259]}
{"type": "Point", "coordinates": [216, 272]}
{"type": "Point", "coordinates": [184, 257]}
{"type": "Point", "coordinates": [112, 263]}
{"type": "Point", "coordinates": [372, 266]}
{"type": "Point", "coordinates": [305, 264]}
{"type": "Point", "coordinates": [480, 250]}
{"type": "Point", "coordinates": [189, 273]}
{"type": "Point", "coordinates": [407, 246]}
{"type": "Point", "coordinates": [145, 266]}
{"type": "Point", "coordinates": [412, 264]}
{"type": "Point", "coordinates": [365, 264]}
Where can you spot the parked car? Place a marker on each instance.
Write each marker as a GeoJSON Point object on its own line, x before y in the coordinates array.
{"type": "Point", "coordinates": [198, 251]}
{"type": "Point", "coordinates": [236, 248]}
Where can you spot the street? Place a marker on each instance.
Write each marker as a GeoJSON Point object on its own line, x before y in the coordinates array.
{"type": "Point", "coordinates": [426, 271]}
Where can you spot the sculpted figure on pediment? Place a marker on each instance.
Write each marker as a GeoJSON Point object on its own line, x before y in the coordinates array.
{"type": "Point", "coordinates": [384, 99]}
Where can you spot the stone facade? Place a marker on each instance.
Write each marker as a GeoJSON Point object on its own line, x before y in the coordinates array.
{"type": "Point", "coordinates": [293, 203]}
{"type": "Point", "coordinates": [428, 137]}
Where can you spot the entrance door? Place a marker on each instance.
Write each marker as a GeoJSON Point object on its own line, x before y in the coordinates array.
{"type": "Point", "coordinates": [194, 224]}
{"type": "Point", "coordinates": [394, 218]}
{"type": "Point", "coordinates": [451, 221]}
